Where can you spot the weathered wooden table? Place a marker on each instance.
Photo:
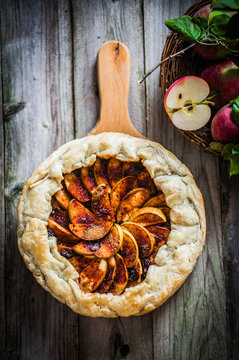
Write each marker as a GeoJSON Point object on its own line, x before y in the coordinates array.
{"type": "Point", "coordinates": [49, 50]}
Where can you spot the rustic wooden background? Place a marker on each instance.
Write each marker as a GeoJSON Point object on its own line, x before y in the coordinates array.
{"type": "Point", "coordinates": [48, 62]}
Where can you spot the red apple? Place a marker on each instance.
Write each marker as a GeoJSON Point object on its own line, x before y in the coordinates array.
{"type": "Point", "coordinates": [223, 80]}
{"type": "Point", "coordinates": [185, 103]}
{"type": "Point", "coordinates": [223, 129]}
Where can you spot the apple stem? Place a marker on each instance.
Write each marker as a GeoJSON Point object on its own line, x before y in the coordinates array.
{"type": "Point", "coordinates": [164, 60]}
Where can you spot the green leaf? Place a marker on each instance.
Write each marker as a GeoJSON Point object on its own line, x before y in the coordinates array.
{"type": "Point", "coordinates": [216, 146]}
{"type": "Point", "coordinates": [219, 24]}
{"type": "Point", "coordinates": [185, 26]}
{"type": "Point", "coordinates": [201, 22]}
{"type": "Point", "coordinates": [233, 27]}
{"type": "Point", "coordinates": [231, 152]}
{"type": "Point", "coordinates": [225, 4]}
{"type": "Point", "coordinates": [235, 111]}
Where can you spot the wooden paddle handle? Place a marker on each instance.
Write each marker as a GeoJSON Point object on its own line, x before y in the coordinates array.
{"type": "Point", "coordinates": [113, 64]}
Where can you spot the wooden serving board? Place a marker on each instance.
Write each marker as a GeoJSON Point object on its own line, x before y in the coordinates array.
{"type": "Point", "coordinates": [113, 66]}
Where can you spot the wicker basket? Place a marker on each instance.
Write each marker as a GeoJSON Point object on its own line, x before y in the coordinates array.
{"type": "Point", "coordinates": [188, 63]}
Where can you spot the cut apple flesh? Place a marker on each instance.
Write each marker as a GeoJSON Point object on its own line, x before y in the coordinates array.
{"type": "Point", "coordinates": [100, 204]}
{"type": "Point", "coordinates": [143, 238]}
{"type": "Point", "coordinates": [148, 216]}
{"type": "Point", "coordinates": [121, 276]}
{"type": "Point", "coordinates": [93, 275]}
{"type": "Point", "coordinates": [134, 274]}
{"type": "Point", "coordinates": [75, 187]}
{"type": "Point", "coordinates": [91, 232]}
{"type": "Point", "coordinates": [63, 198]}
{"type": "Point", "coordinates": [86, 248]}
{"type": "Point", "coordinates": [144, 180]}
{"type": "Point", "coordinates": [109, 277]}
{"type": "Point", "coordinates": [129, 249]}
{"type": "Point", "coordinates": [114, 171]}
{"type": "Point", "coordinates": [184, 103]}
{"type": "Point", "coordinates": [111, 243]}
{"type": "Point", "coordinates": [88, 178]}
{"type": "Point", "coordinates": [120, 190]}
{"type": "Point", "coordinates": [131, 203]}
{"type": "Point", "coordinates": [100, 171]}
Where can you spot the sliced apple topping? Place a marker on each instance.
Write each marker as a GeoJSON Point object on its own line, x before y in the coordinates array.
{"type": "Point", "coordinates": [121, 276]}
{"type": "Point", "coordinates": [88, 178]}
{"type": "Point", "coordinates": [75, 187]}
{"type": "Point", "coordinates": [93, 275]}
{"type": "Point", "coordinates": [144, 239]}
{"type": "Point", "coordinates": [100, 171]}
{"type": "Point", "coordinates": [100, 204]}
{"type": "Point", "coordinates": [131, 203]}
{"type": "Point", "coordinates": [120, 190]}
{"type": "Point", "coordinates": [148, 216]}
{"type": "Point", "coordinates": [134, 274]}
{"type": "Point", "coordinates": [129, 249]}
{"type": "Point", "coordinates": [144, 180]}
{"type": "Point", "coordinates": [110, 221]}
{"type": "Point", "coordinates": [63, 198]}
{"type": "Point", "coordinates": [114, 171]}
{"type": "Point", "coordinates": [109, 277]}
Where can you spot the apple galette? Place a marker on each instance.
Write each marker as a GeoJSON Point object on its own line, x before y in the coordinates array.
{"type": "Point", "coordinates": [111, 225]}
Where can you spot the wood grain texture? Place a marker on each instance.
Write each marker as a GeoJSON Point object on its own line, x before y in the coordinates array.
{"type": "Point", "coordinates": [36, 53]}
{"type": "Point", "coordinates": [191, 323]}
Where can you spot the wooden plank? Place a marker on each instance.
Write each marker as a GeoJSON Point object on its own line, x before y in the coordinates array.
{"type": "Point", "coordinates": [37, 54]}
{"type": "Point", "coordinates": [95, 23]}
{"type": "Point", "coordinates": [2, 226]}
{"type": "Point", "coordinates": [192, 324]}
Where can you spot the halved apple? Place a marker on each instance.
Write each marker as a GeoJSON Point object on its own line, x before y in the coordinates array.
{"type": "Point", "coordinates": [144, 180]}
{"type": "Point", "coordinates": [93, 275]}
{"type": "Point", "coordinates": [63, 198]}
{"type": "Point", "coordinates": [100, 171]}
{"type": "Point", "coordinates": [142, 236]}
{"type": "Point", "coordinates": [111, 243]}
{"type": "Point", "coordinates": [186, 104]}
{"type": "Point", "coordinates": [123, 187]}
{"type": "Point", "coordinates": [148, 216]}
{"type": "Point", "coordinates": [129, 249]}
{"type": "Point", "coordinates": [80, 262]}
{"type": "Point", "coordinates": [109, 277]}
{"type": "Point", "coordinates": [75, 187]}
{"type": "Point", "coordinates": [131, 168]}
{"type": "Point", "coordinates": [121, 276]}
{"type": "Point", "coordinates": [157, 201]}
{"type": "Point", "coordinates": [86, 248]}
{"type": "Point", "coordinates": [131, 203]}
{"type": "Point", "coordinates": [114, 171]}
{"type": "Point", "coordinates": [91, 232]}
{"type": "Point", "coordinates": [100, 204]}
{"type": "Point", "coordinates": [88, 178]}
{"type": "Point", "coordinates": [134, 274]}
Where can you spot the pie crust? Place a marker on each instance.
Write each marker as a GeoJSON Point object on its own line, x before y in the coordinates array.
{"type": "Point", "coordinates": [173, 262]}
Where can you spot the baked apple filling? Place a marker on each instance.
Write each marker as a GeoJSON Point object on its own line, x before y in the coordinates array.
{"type": "Point", "coordinates": [109, 220]}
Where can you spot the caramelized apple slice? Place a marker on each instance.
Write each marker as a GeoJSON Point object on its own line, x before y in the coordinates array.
{"type": "Point", "coordinates": [80, 262]}
{"type": "Point", "coordinates": [166, 211]}
{"type": "Point", "coordinates": [63, 198]}
{"type": "Point", "coordinates": [111, 243]}
{"type": "Point", "coordinates": [65, 251]}
{"type": "Point", "coordinates": [148, 216]}
{"type": "Point", "coordinates": [60, 232]}
{"type": "Point", "coordinates": [157, 201]}
{"type": "Point", "coordinates": [131, 203]}
{"type": "Point", "coordinates": [100, 204]}
{"type": "Point", "coordinates": [129, 249]}
{"type": "Point", "coordinates": [88, 178]}
{"type": "Point", "coordinates": [114, 171]}
{"type": "Point", "coordinates": [100, 171]}
{"type": "Point", "coordinates": [86, 248]}
{"type": "Point", "coordinates": [79, 214]}
{"type": "Point", "coordinates": [91, 232]}
{"type": "Point", "coordinates": [144, 180]}
{"type": "Point", "coordinates": [122, 188]}
{"type": "Point", "coordinates": [109, 277]}
{"type": "Point", "coordinates": [159, 231]}
{"type": "Point", "coordinates": [131, 168]}
{"type": "Point", "coordinates": [121, 276]}
{"type": "Point", "coordinates": [144, 239]}
{"type": "Point", "coordinates": [93, 275]}
{"type": "Point", "coordinates": [134, 274]}
{"type": "Point", "coordinates": [75, 187]}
